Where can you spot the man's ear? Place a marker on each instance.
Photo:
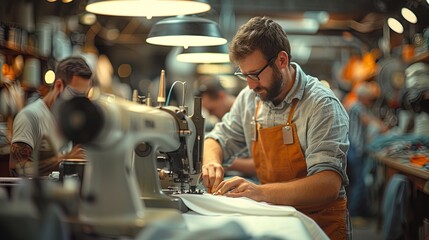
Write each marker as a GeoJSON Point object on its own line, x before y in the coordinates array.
{"type": "Point", "coordinates": [59, 85]}
{"type": "Point", "coordinates": [221, 95]}
{"type": "Point", "coordinates": [284, 58]}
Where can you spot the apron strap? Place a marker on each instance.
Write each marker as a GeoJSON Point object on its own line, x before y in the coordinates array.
{"type": "Point", "coordinates": [257, 110]}
{"type": "Point", "coordinates": [292, 110]}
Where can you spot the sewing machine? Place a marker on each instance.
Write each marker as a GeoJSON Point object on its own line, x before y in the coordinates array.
{"type": "Point", "coordinates": [122, 140]}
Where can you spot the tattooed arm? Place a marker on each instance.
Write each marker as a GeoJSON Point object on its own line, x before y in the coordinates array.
{"type": "Point", "coordinates": [20, 161]}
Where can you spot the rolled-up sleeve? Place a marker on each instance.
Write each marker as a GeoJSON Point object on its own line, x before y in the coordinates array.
{"type": "Point", "coordinates": [327, 138]}
{"type": "Point", "coordinates": [232, 132]}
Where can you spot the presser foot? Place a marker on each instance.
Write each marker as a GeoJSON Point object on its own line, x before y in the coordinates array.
{"type": "Point", "coordinates": [165, 202]}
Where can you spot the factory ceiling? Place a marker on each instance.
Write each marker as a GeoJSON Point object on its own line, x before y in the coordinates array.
{"type": "Point", "coordinates": [343, 28]}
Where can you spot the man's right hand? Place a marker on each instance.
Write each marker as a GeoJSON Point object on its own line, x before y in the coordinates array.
{"type": "Point", "coordinates": [212, 174]}
{"type": "Point", "coordinates": [212, 170]}
{"type": "Point", "coordinates": [76, 153]}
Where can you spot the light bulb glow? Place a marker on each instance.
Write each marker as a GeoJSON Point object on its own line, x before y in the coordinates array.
{"type": "Point", "coordinates": [49, 77]}
{"type": "Point", "coordinates": [186, 40]}
{"type": "Point", "coordinates": [395, 25]}
{"type": "Point", "coordinates": [409, 15]}
{"type": "Point", "coordinates": [88, 18]}
{"type": "Point", "coordinates": [209, 68]}
{"type": "Point", "coordinates": [149, 8]}
{"type": "Point", "coordinates": [203, 57]}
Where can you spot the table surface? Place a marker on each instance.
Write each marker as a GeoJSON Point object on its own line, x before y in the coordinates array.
{"type": "Point", "coordinates": [403, 165]}
{"type": "Point", "coordinates": [250, 218]}
{"type": "Point", "coordinates": [418, 175]}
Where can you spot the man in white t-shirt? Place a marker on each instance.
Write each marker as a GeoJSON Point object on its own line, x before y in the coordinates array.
{"type": "Point", "coordinates": [37, 145]}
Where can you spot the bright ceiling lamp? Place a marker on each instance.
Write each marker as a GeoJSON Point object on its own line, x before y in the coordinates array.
{"type": "Point", "coordinates": [186, 31]}
{"type": "Point", "coordinates": [395, 25]}
{"type": "Point", "coordinates": [220, 68]}
{"type": "Point", "coordinates": [409, 15]}
{"type": "Point", "coordinates": [146, 8]}
{"type": "Point", "coordinates": [204, 54]}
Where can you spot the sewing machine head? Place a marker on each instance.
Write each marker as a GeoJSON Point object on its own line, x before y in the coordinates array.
{"type": "Point", "coordinates": [182, 170]}
{"type": "Point", "coordinates": [122, 141]}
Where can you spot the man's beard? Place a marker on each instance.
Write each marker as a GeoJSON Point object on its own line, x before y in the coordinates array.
{"type": "Point", "coordinates": [64, 96]}
{"type": "Point", "coordinates": [275, 87]}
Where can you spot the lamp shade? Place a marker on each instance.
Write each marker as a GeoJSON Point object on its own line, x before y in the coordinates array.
{"type": "Point", "coordinates": [146, 8]}
{"type": "Point", "coordinates": [185, 31]}
{"type": "Point", "coordinates": [204, 54]}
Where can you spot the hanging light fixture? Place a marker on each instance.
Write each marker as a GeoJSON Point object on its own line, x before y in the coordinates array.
{"type": "Point", "coordinates": [219, 68]}
{"type": "Point", "coordinates": [409, 15]}
{"type": "Point", "coordinates": [395, 25]}
{"type": "Point", "coordinates": [204, 54]}
{"type": "Point", "coordinates": [186, 31]}
{"type": "Point", "coordinates": [146, 8]}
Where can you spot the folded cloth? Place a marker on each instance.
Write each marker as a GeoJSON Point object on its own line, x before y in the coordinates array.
{"type": "Point", "coordinates": [216, 205]}
{"type": "Point", "coordinates": [208, 204]}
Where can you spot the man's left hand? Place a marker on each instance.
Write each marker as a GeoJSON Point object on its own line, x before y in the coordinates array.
{"type": "Point", "coordinates": [239, 187]}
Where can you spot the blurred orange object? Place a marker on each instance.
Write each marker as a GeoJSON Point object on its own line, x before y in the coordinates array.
{"type": "Point", "coordinates": [419, 160]}
{"type": "Point", "coordinates": [407, 52]}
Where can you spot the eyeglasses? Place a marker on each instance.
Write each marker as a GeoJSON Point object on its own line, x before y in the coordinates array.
{"type": "Point", "coordinates": [253, 76]}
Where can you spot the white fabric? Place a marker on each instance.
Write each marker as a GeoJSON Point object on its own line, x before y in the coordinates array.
{"type": "Point", "coordinates": [258, 218]}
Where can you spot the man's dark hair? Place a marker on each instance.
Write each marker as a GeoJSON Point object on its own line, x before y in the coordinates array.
{"type": "Point", "coordinates": [72, 66]}
{"type": "Point", "coordinates": [209, 86]}
{"type": "Point", "coordinates": [259, 33]}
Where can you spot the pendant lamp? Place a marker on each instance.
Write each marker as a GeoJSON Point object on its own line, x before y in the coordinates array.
{"type": "Point", "coordinates": [146, 8]}
{"type": "Point", "coordinates": [204, 54]}
{"type": "Point", "coordinates": [186, 31]}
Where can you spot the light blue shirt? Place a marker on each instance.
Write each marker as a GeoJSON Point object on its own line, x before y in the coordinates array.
{"type": "Point", "coordinates": [358, 130]}
{"type": "Point", "coordinates": [321, 120]}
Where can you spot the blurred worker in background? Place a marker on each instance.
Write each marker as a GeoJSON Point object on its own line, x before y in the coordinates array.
{"type": "Point", "coordinates": [293, 126]}
{"type": "Point", "coordinates": [215, 98]}
{"type": "Point", "coordinates": [364, 126]}
{"type": "Point", "coordinates": [415, 97]}
{"type": "Point", "coordinates": [218, 101]}
{"type": "Point", "coordinates": [37, 146]}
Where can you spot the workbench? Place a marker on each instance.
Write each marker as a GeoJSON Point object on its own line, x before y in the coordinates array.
{"type": "Point", "coordinates": [209, 217]}
{"type": "Point", "coordinates": [419, 179]}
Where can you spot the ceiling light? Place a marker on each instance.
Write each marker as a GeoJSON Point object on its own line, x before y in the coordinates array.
{"type": "Point", "coordinates": [146, 8]}
{"type": "Point", "coordinates": [185, 31]}
{"type": "Point", "coordinates": [49, 77]}
{"type": "Point", "coordinates": [206, 68]}
{"type": "Point", "coordinates": [409, 15]}
{"type": "Point", "coordinates": [124, 70]}
{"type": "Point", "coordinates": [395, 25]}
{"type": "Point", "coordinates": [88, 18]}
{"type": "Point", "coordinates": [204, 54]}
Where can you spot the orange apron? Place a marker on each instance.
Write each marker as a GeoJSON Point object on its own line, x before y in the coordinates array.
{"type": "Point", "coordinates": [278, 158]}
